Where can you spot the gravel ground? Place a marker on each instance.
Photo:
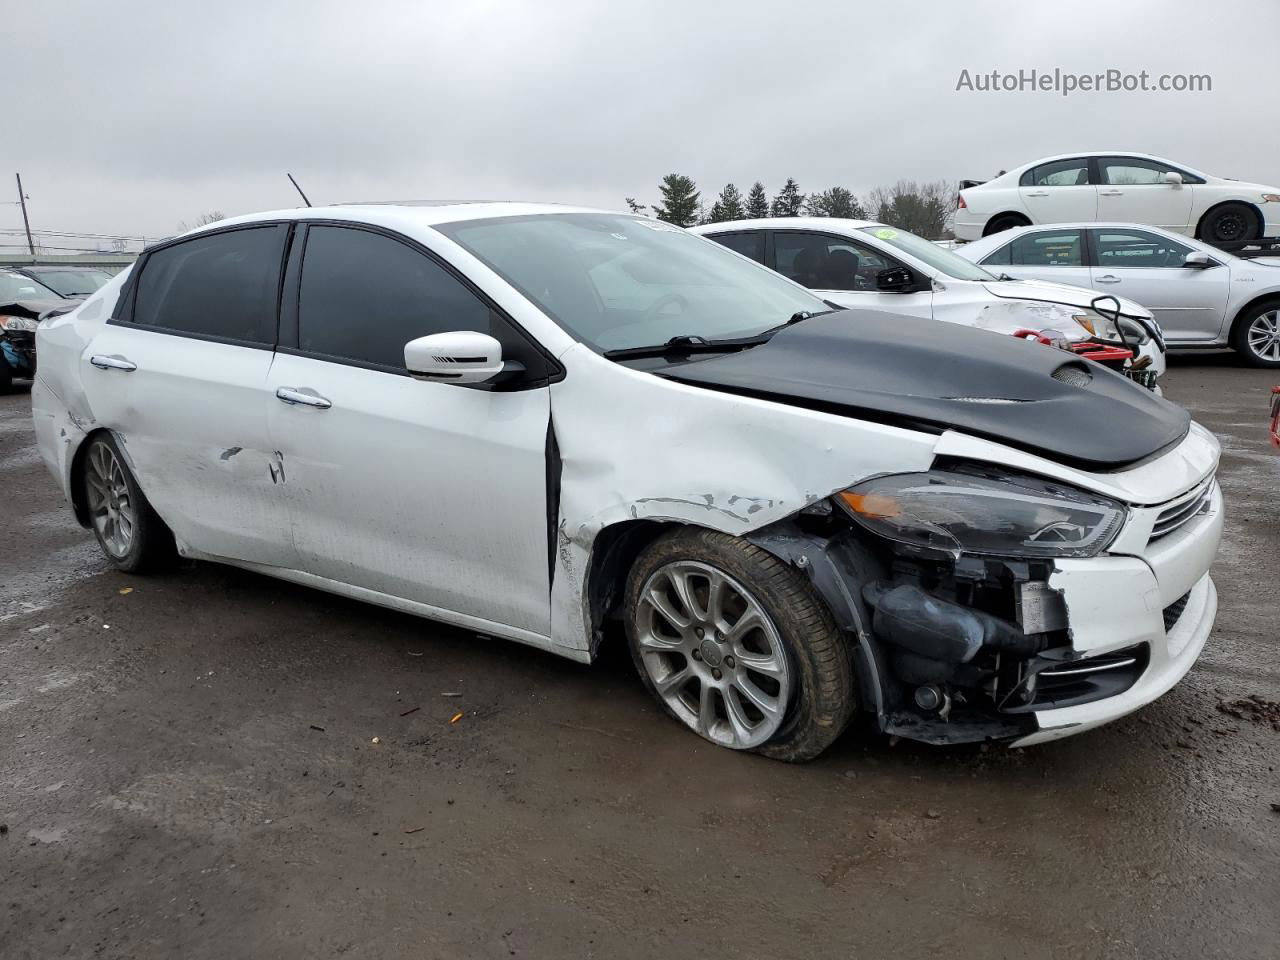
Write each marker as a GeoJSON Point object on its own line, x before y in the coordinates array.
{"type": "Point", "coordinates": [188, 768]}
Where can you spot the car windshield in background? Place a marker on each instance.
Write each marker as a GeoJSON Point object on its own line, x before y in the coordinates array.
{"type": "Point", "coordinates": [620, 281]}
{"type": "Point", "coordinates": [928, 252]}
{"type": "Point", "coordinates": [15, 286]}
{"type": "Point", "coordinates": [70, 282]}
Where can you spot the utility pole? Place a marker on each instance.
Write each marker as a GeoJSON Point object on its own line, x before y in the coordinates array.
{"type": "Point", "coordinates": [25, 222]}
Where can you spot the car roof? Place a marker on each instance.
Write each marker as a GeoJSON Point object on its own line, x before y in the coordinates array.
{"type": "Point", "coordinates": [422, 213]}
{"type": "Point", "coordinates": [1099, 153]}
{"type": "Point", "coordinates": [782, 223]}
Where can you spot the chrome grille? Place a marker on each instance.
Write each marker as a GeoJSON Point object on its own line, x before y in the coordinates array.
{"type": "Point", "coordinates": [1174, 516]}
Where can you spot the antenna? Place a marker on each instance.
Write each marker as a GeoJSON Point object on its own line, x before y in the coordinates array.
{"type": "Point", "coordinates": [298, 188]}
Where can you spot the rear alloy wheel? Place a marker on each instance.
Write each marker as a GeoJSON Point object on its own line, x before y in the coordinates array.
{"type": "Point", "coordinates": [737, 646]}
{"type": "Point", "coordinates": [1230, 223]}
{"type": "Point", "coordinates": [1256, 336]}
{"type": "Point", "coordinates": [131, 534]}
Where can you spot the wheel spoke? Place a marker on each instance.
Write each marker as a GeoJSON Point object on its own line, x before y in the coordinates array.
{"type": "Point", "coordinates": [649, 640]}
{"type": "Point", "coordinates": [706, 709]}
{"type": "Point", "coordinates": [738, 719]}
{"type": "Point", "coordinates": [767, 665]}
{"type": "Point", "coordinates": [662, 604]}
{"type": "Point", "coordinates": [717, 592]}
{"type": "Point", "coordinates": [750, 620]}
{"type": "Point", "coordinates": [673, 682]}
{"type": "Point", "coordinates": [684, 591]}
{"type": "Point", "coordinates": [761, 700]}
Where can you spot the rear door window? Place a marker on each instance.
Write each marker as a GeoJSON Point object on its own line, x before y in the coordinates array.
{"type": "Point", "coordinates": [1059, 248]}
{"type": "Point", "coordinates": [824, 262]}
{"type": "Point", "coordinates": [749, 243]}
{"type": "Point", "coordinates": [365, 295]}
{"type": "Point", "coordinates": [222, 286]}
{"type": "Point", "coordinates": [1059, 173]}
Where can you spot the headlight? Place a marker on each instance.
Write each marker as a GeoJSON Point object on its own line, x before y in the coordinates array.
{"type": "Point", "coordinates": [986, 512]}
{"type": "Point", "coordinates": [18, 324]}
{"type": "Point", "coordinates": [1105, 330]}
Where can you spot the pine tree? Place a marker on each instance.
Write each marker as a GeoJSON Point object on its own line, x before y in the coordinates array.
{"type": "Point", "coordinates": [639, 208]}
{"type": "Point", "coordinates": [757, 202]}
{"type": "Point", "coordinates": [680, 202]}
{"type": "Point", "coordinates": [728, 206]}
{"type": "Point", "coordinates": [836, 202]}
{"type": "Point", "coordinates": [789, 201]}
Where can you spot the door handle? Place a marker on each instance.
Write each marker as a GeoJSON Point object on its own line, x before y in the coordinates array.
{"type": "Point", "coordinates": [1037, 193]}
{"type": "Point", "coordinates": [1111, 193]}
{"type": "Point", "coordinates": [303, 395]}
{"type": "Point", "coordinates": [113, 362]}
{"type": "Point", "coordinates": [1107, 278]}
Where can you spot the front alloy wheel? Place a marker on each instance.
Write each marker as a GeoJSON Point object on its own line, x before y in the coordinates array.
{"type": "Point", "coordinates": [1256, 336]}
{"type": "Point", "coordinates": [713, 654]}
{"type": "Point", "coordinates": [737, 645]}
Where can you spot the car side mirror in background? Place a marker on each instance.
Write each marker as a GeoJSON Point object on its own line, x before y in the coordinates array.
{"type": "Point", "coordinates": [1198, 260]}
{"type": "Point", "coordinates": [1174, 178]}
{"type": "Point", "coordinates": [896, 280]}
{"type": "Point", "coordinates": [461, 357]}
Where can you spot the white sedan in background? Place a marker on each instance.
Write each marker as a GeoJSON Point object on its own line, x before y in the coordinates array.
{"type": "Point", "coordinates": [1113, 187]}
{"type": "Point", "coordinates": [858, 263]}
{"type": "Point", "coordinates": [1202, 296]}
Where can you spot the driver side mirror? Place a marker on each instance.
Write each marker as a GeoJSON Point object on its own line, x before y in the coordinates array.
{"type": "Point", "coordinates": [896, 280]}
{"type": "Point", "coordinates": [1174, 178]}
{"type": "Point", "coordinates": [1199, 260]}
{"type": "Point", "coordinates": [461, 356]}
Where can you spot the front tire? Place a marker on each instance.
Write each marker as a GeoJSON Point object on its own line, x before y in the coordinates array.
{"type": "Point", "coordinates": [1256, 335]}
{"type": "Point", "coordinates": [6, 375]}
{"type": "Point", "coordinates": [130, 533]}
{"type": "Point", "coordinates": [737, 645]}
{"type": "Point", "coordinates": [1230, 223]}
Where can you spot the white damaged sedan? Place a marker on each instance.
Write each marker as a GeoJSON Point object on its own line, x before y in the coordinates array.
{"type": "Point", "coordinates": [535, 421]}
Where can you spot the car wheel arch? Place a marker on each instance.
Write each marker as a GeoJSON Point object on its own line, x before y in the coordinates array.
{"type": "Point", "coordinates": [1263, 299]}
{"type": "Point", "coordinates": [613, 552]}
{"type": "Point", "coordinates": [1022, 220]}
{"type": "Point", "coordinates": [1257, 212]}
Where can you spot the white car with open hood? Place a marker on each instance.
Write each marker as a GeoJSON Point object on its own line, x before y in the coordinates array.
{"type": "Point", "coordinates": [536, 421]}
{"type": "Point", "coordinates": [863, 264]}
{"type": "Point", "coordinates": [1119, 187]}
{"type": "Point", "coordinates": [1201, 296]}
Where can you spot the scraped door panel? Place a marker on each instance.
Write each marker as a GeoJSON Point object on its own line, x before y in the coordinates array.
{"type": "Point", "coordinates": [426, 492]}
{"type": "Point", "coordinates": [191, 419]}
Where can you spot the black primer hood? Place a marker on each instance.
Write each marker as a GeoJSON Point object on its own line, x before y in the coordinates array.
{"type": "Point", "coordinates": [930, 375]}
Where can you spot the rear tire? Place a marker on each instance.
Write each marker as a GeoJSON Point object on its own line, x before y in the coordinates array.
{"type": "Point", "coordinates": [794, 664]}
{"type": "Point", "coordinates": [1003, 222]}
{"type": "Point", "coordinates": [1256, 335]}
{"type": "Point", "coordinates": [6, 375]}
{"type": "Point", "coordinates": [132, 536]}
{"type": "Point", "coordinates": [1230, 223]}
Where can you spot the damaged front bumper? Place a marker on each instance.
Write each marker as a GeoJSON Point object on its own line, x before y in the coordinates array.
{"type": "Point", "coordinates": [1014, 651]}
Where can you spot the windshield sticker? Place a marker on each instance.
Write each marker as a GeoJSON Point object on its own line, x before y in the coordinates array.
{"type": "Point", "coordinates": [886, 234]}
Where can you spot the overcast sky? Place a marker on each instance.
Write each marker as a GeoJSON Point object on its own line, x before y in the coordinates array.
{"type": "Point", "coordinates": [128, 118]}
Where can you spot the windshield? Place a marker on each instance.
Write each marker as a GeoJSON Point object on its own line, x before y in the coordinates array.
{"type": "Point", "coordinates": [14, 286]}
{"type": "Point", "coordinates": [618, 281]}
{"type": "Point", "coordinates": [78, 282]}
{"type": "Point", "coordinates": [929, 253]}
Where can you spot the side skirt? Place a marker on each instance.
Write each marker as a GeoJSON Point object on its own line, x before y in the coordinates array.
{"type": "Point", "coordinates": [478, 624]}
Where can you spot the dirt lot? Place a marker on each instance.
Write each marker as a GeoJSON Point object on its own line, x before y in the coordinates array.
{"type": "Point", "coordinates": [187, 770]}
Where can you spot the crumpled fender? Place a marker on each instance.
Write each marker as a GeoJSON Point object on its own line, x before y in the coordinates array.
{"type": "Point", "coordinates": [636, 446]}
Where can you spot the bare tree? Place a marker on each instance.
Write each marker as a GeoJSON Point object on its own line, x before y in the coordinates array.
{"type": "Point", "coordinates": [212, 216]}
{"type": "Point", "coordinates": [920, 208]}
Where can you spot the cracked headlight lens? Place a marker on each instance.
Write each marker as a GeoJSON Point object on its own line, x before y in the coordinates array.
{"type": "Point", "coordinates": [984, 511]}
